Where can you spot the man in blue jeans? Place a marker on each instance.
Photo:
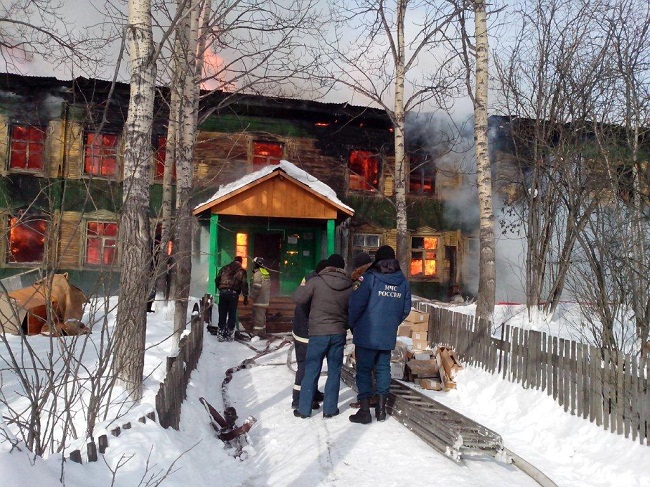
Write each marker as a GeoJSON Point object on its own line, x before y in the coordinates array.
{"type": "Point", "coordinates": [376, 309]}
{"type": "Point", "coordinates": [327, 294]}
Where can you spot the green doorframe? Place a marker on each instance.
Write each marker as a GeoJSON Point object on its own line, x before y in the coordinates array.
{"type": "Point", "coordinates": [214, 252]}
{"type": "Point", "coordinates": [330, 237]}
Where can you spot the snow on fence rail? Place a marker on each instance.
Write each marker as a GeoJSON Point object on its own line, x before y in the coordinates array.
{"type": "Point", "coordinates": [588, 382]}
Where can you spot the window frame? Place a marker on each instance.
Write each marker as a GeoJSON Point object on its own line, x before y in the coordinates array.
{"type": "Point", "coordinates": [22, 219]}
{"type": "Point", "coordinates": [359, 181]}
{"type": "Point", "coordinates": [366, 247]}
{"type": "Point", "coordinates": [421, 163]}
{"type": "Point", "coordinates": [267, 160]}
{"type": "Point", "coordinates": [28, 143]}
{"type": "Point", "coordinates": [103, 154]}
{"type": "Point", "coordinates": [423, 251]}
{"type": "Point", "coordinates": [102, 244]}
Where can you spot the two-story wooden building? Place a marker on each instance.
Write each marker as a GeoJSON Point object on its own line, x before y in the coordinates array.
{"type": "Point", "coordinates": [61, 185]}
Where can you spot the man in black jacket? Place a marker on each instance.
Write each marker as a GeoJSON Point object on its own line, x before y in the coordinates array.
{"type": "Point", "coordinates": [231, 281]}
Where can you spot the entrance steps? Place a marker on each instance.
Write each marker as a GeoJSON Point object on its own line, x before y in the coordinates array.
{"type": "Point", "coordinates": [279, 316]}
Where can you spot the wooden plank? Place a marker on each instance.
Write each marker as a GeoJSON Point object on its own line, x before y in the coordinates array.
{"type": "Point", "coordinates": [560, 373]}
{"type": "Point", "coordinates": [544, 360]}
{"type": "Point", "coordinates": [627, 396]}
{"type": "Point", "coordinates": [507, 346]}
{"type": "Point", "coordinates": [574, 374]}
{"type": "Point", "coordinates": [620, 394]}
{"type": "Point", "coordinates": [566, 375]}
{"type": "Point", "coordinates": [579, 382]}
{"type": "Point", "coordinates": [597, 388]}
{"type": "Point", "coordinates": [586, 382]}
{"type": "Point", "coordinates": [634, 394]}
{"type": "Point", "coordinates": [554, 371]}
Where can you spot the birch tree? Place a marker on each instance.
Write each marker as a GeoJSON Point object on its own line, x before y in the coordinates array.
{"type": "Point", "coordinates": [380, 55]}
{"type": "Point", "coordinates": [134, 235]}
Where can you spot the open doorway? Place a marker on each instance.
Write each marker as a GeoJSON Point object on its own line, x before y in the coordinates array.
{"type": "Point", "coordinates": [268, 246]}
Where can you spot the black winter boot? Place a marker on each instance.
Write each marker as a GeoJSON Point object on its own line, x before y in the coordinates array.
{"type": "Point", "coordinates": [380, 408]}
{"type": "Point", "coordinates": [363, 415]}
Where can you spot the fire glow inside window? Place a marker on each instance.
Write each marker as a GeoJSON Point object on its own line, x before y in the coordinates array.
{"type": "Point", "coordinates": [101, 154]}
{"type": "Point", "coordinates": [267, 153]}
{"type": "Point", "coordinates": [27, 148]}
{"type": "Point", "coordinates": [364, 171]}
{"type": "Point", "coordinates": [26, 239]}
{"type": "Point", "coordinates": [424, 252]}
{"type": "Point", "coordinates": [101, 243]}
{"type": "Point", "coordinates": [422, 177]}
{"type": "Point", "coordinates": [241, 249]}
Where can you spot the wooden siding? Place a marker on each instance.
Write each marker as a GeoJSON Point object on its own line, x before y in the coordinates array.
{"type": "Point", "coordinates": [277, 197]}
{"type": "Point", "coordinates": [74, 135]}
{"type": "Point", "coordinates": [4, 144]}
{"type": "Point", "coordinates": [70, 240]}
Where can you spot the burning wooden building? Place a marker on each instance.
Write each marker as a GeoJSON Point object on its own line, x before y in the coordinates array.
{"type": "Point", "coordinates": [61, 186]}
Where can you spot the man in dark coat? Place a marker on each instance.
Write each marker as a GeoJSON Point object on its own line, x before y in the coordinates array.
{"type": "Point", "coordinates": [377, 307]}
{"type": "Point", "coordinates": [300, 331]}
{"type": "Point", "coordinates": [328, 293]}
{"type": "Point", "coordinates": [231, 281]}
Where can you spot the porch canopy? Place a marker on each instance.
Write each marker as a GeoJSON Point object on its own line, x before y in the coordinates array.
{"type": "Point", "coordinates": [302, 208]}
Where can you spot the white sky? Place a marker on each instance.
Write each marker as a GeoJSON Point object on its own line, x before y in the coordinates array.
{"type": "Point", "coordinates": [287, 451]}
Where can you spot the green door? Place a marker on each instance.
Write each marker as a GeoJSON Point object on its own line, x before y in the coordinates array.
{"type": "Point", "coordinates": [299, 257]}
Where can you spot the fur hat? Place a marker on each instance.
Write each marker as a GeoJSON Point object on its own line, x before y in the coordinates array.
{"type": "Point", "coordinates": [362, 258]}
{"type": "Point", "coordinates": [336, 260]}
{"type": "Point", "coordinates": [384, 252]}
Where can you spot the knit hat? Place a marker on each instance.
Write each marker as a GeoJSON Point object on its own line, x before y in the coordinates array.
{"type": "Point", "coordinates": [362, 258]}
{"type": "Point", "coordinates": [336, 260]}
{"type": "Point", "coordinates": [384, 252]}
{"type": "Point", "coordinates": [320, 266]}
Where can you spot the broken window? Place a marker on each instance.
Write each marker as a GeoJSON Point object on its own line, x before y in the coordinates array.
{"type": "Point", "coordinates": [101, 243]}
{"type": "Point", "coordinates": [27, 148]}
{"type": "Point", "coordinates": [101, 154]}
{"type": "Point", "coordinates": [26, 239]}
{"type": "Point", "coordinates": [364, 170]}
{"type": "Point", "coordinates": [267, 153]}
{"type": "Point", "coordinates": [422, 174]}
{"type": "Point", "coordinates": [424, 256]}
{"type": "Point", "coordinates": [365, 242]}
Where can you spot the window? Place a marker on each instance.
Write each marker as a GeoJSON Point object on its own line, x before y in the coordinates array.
{"type": "Point", "coordinates": [423, 174]}
{"type": "Point", "coordinates": [364, 242]}
{"type": "Point", "coordinates": [101, 243]}
{"type": "Point", "coordinates": [267, 153]}
{"type": "Point", "coordinates": [101, 154]}
{"type": "Point", "coordinates": [26, 239]}
{"type": "Point", "coordinates": [241, 241]}
{"type": "Point", "coordinates": [161, 155]}
{"type": "Point", "coordinates": [424, 256]}
{"type": "Point", "coordinates": [364, 170]}
{"type": "Point", "coordinates": [27, 148]}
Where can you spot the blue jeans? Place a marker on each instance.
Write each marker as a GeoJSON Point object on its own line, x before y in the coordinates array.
{"type": "Point", "coordinates": [319, 347]}
{"type": "Point", "coordinates": [367, 358]}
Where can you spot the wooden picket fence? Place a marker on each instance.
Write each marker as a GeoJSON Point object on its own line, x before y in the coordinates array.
{"type": "Point", "coordinates": [611, 391]}
{"type": "Point", "coordinates": [173, 390]}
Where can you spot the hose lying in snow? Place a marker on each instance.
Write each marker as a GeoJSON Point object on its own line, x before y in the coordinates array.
{"type": "Point", "coordinates": [530, 470]}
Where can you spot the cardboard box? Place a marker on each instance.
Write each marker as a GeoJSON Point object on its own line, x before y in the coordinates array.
{"type": "Point", "coordinates": [419, 335]}
{"type": "Point", "coordinates": [416, 316]}
{"type": "Point", "coordinates": [397, 370]}
{"type": "Point", "coordinates": [424, 368]}
{"type": "Point", "coordinates": [420, 344]}
{"type": "Point", "coordinates": [417, 355]}
{"type": "Point", "coordinates": [431, 384]}
{"type": "Point", "coordinates": [404, 330]}
{"type": "Point", "coordinates": [421, 326]}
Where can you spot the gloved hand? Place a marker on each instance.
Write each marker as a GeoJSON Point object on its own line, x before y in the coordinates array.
{"type": "Point", "coordinates": [245, 300]}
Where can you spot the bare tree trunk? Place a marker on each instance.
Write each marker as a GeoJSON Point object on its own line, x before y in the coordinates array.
{"type": "Point", "coordinates": [134, 236]}
{"type": "Point", "coordinates": [401, 172]}
{"type": "Point", "coordinates": [487, 270]}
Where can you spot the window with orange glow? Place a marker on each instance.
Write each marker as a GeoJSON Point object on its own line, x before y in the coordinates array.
{"type": "Point", "coordinates": [267, 153]}
{"type": "Point", "coordinates": [365, 242]}
{"type": "Point", "coordinates": [101, 154]}
{"type": "Point", "coordinates": [422, 178]}
{"type": "Point", "coordinates": [27, 148]}
{"type": "Point", "coordinates": [160, 152]}
{"type": "Point", "coordinates": [26, 239]}
{"type": "Point", "coordinates": [364, 170]}
{"type": "Point", "coordinates": [101, 243]}
{"type": "Point", "coordinates": [241, 248]}
{"type": "Point", "coordinates": [424, 260]}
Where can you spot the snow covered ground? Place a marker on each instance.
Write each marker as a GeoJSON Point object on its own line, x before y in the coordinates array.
{"type": "Point", "coordinates": [287, 451]}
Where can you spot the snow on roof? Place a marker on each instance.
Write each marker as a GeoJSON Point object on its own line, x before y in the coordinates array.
{"type": "Point", "coordinates": [292, 170]}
